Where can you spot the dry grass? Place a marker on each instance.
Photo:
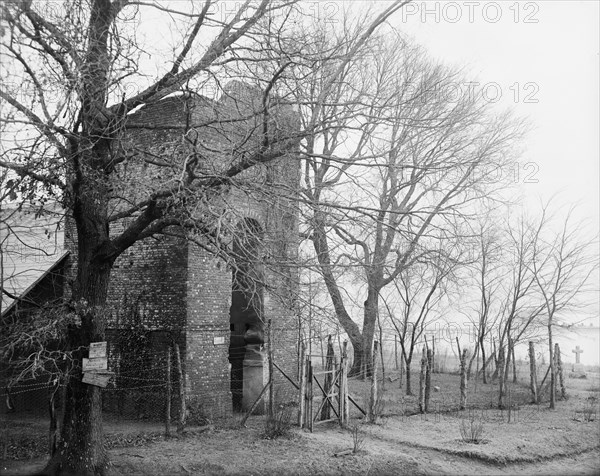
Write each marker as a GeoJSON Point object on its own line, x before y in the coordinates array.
{"type": "Point", "coordinates": [535, 436]}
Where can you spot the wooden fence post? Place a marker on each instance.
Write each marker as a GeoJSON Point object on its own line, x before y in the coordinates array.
{"type": "Point", "coordinates": [422, 381]}
{"type": "Point", "coordinates": [309, 381]}
{"type": "Point", "coordinates": [302, 400]}
{"type": "Point", "coordinates": [402, 368]}
{"type": "Point", "coordinates": [182, 409]}
{"type": "Point", "coordinates": [500, 369]}
{"type": "Point", "coordinates": [53, 429]}
{"type": "Point", "coordinates": [541, 389]}
{"type": "Point", "coordinates": [322, 350]}
{"type": "Point", "coordinates": [271, 406]}
{"type": "Point", "coordinates": [514, 362]}
{"type": "Point", "coordinates": [559, 370]}
{"type": "Point", "coordinates": [344, 408]}
{"type": "Point", "coordinates": [382, 361]}
{"type": "Point", "coordinates": [255, 404]}
{"type": "Point", "coordinates": [463, 379]}
{"type": "Point", "coordinates": [328, 383]}
{"type": "Point", "coordinates": [372, 413]}
{"type": "Point", "coordinates": [168, 402]}
{"type": "Point", "coordinates": [433, 354]}
{"type": "Point", "coordinates": [396, 351]}
{"type": "Point", "coordinates": [532, 374]}
{"type": "Point", "coordinates": [428, 371]}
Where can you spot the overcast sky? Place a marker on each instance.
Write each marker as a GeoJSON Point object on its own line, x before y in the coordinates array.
{"type": "Point", "coordinates": [543, 59]}
{"type": "Point", "coordinates": [540, 58]}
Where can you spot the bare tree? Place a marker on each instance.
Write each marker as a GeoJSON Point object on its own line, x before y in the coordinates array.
{"type": "Point", "coordinates": [520, 307]}
{"type": "Point", "coordinates": [487, 276]}
{"type": "Point", "coordinates": [68, 106]}
{"type": "Point", "coordinates": [421, 289]}
{"type": "Point", "coordinates": [562, 265]}
{"type": "Point", "coordinates": [546, 272]}
{"type": "Point", "coordinates": [416, 164]}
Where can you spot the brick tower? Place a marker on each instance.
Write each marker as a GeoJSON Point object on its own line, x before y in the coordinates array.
{"type": "Point", "coordinates": [215, 310]}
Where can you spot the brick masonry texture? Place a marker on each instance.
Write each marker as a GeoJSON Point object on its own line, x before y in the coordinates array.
{"type": "Point", "coordinates": [183, 289]}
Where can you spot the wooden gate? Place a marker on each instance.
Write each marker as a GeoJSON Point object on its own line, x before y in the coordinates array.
{"type": "Point", "coordinates": [333, 387]}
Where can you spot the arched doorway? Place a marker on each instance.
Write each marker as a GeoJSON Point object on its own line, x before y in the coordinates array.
{"type": "Point", "coordinates": [246, 315]}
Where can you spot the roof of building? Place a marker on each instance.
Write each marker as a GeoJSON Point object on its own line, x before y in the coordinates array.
{"type": "Point", "coordinates": [32, 245]}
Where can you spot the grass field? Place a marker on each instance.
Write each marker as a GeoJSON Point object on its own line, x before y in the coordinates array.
{"type": "Point", "coordinates": [536, 440]}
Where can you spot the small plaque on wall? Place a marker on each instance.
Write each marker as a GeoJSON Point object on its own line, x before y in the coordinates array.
{"type": "Point", "coordinates": [219, 340]}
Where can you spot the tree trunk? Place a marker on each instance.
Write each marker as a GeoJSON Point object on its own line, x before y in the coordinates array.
{"type": "Point", "coordinates": [321, 246]}
{"type": "Point", "coordinates": [357, 361]}
{"type": "Point", "coordinates": [508, 356]}
{"type": "Point", "coordinates": [470, 366]}
{"type": "Point", "coordinates": [408, 382]}
{"type": "Point", "coordinates": [82, 449]}
{"type": "Point", "coordinates": [481, 343]}
{"type": "Point", "coordinates": [532, 373]}
{"type": "Point", "coordinates": [463, 380]}
{"type": "Point", "coordinates": [370, 319]}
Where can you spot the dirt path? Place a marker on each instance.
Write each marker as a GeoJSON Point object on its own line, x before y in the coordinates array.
{"type": "Point", "coordinates": [394, 455]}
{"type": "Point", "coordinates": [231, 453]}
{"type": "Point", "coordinates": [395, 448]}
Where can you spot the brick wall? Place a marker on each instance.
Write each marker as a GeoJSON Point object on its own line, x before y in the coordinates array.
{"type": "Point", "coordinates": [207, 330]}
{"type": "Point", "coordinates": [283, 241]}
{"type": "Point", "coordinates": [182, 288]}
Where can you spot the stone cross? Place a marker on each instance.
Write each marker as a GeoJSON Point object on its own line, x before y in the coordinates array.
{"type": "Point", "coordinates": [577, 351]}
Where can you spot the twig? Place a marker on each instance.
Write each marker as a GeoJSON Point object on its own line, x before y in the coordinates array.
{"type": "Point", "coordinates": [343, 453]}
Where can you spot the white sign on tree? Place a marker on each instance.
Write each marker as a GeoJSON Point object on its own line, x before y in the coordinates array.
{"type": "Point", "coordinates": [96, 366]}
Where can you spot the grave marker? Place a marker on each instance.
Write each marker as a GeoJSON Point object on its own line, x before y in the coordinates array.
{"type": "Point", "coordinates": [577, 351]}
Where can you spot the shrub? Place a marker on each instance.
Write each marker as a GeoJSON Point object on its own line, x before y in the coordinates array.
{"type": "Point", "coordinates": [471, 429]}
{"type": "Point", "coordinates": [279, 424]}
{"type": "Point", "coordinates": [358, 439]}
{"type": "Point", "coordinates": [589, 410]}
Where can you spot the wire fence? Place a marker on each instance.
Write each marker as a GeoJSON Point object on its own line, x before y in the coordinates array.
{"type": "Point", "coordinates": [145, 399]}
{"type": "Point", "coordinates": [431, 387]}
